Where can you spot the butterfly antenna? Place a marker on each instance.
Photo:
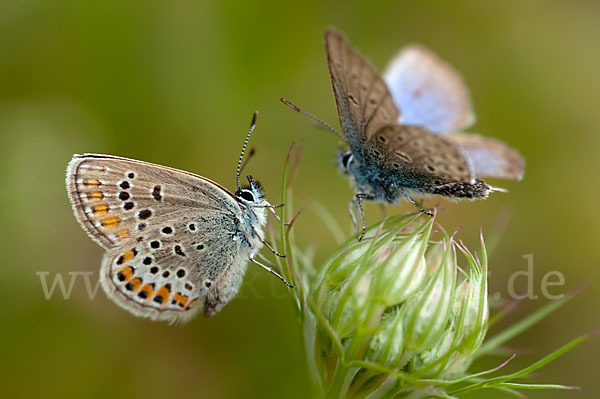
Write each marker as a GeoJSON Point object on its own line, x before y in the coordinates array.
{"type": "Point", "coordinates": [250, 154]}
{"type": "Point", "coordinates": [314, 118]}
{"type": "Point", "coordinates": [239, 165]}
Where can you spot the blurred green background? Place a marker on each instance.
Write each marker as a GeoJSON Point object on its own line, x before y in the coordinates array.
{"type": "Point", "coordinates": [175, 83]}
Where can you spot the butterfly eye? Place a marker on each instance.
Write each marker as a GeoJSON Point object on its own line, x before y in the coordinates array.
{"type": "Point", "coordinates": [346, 160]}
{"type": "Point", "coordinates": [247, 195]}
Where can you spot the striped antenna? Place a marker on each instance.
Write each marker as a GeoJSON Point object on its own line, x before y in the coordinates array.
{"type": "Point", "coordinates": [239, 165]}
{"type": "Point", "coordinates": [314, 118]}
{"type": "Point", "coordinates": [250, 154]}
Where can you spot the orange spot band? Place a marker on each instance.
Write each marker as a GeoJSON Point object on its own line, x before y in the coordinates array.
{"type": "Point", "coordinates": [100, 209]}
{"type": "Point", "coordinates": [127, 272]}
{"type": "Point", "coordinates": [91, 182]}
{"type": "Point", "coordinates": [181, 299]}
{"type": "Point", "coordinates": [162, 295]}
{"type": "Point", "coordinates": [110, 222]}
{"type": "Point", "coordinates": [127, 256]}
{"type": "Point", "coordinates": [148, 289]}
{"type": "Point", "coordinates": [94, 196]}
{"type": "Point", "coordinates": [136, 282]}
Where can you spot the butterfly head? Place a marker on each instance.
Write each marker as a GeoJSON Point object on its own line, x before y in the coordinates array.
{"type": "Point", "coordinates": [254, 205]}
{"type": "Point", "coordinates": [345, 161]}
{"type": "Point", "coordinates": [251, 194]}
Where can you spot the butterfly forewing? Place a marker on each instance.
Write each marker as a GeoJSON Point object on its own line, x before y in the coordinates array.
{"type": "Point", "coordinates": [154, 221]}
{"type": "Point", "coordinates": [428, 91]}
{"type": "Point", "coordinates": [363, 100]}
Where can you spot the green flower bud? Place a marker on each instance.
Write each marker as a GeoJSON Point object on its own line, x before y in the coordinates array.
{"type": "Point", "coordinates": [473, 316]}
{"type": "Point", "coordinates": [346, 306]}
{"type": "Point", "coordinates": [436, 355]}
{"type": "Point", "coordinates": [428, 312]}
{"type": "Point", "coordinates": [387, 345]}
{"type": "Point", "coordinates": [402, 273]}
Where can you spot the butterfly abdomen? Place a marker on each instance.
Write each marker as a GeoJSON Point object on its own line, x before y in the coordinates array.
{"type": "Point", "coordinates": [477, 190]}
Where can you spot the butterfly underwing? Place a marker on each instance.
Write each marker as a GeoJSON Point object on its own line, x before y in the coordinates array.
{"type": "Point", "coordinates": [175, 242]}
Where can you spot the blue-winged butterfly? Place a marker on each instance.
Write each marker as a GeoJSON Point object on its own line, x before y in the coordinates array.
{"type": "Point", "coordinates": [403, 130]}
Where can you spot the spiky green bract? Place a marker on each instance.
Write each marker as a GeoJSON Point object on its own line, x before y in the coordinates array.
{"type": "Point", "coordinates": [400, 314]}
{"type": "Point", "coordinates": [392, 300]}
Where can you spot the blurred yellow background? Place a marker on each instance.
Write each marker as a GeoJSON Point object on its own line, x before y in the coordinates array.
{"type": "Point", "coordinates": [175, 83]}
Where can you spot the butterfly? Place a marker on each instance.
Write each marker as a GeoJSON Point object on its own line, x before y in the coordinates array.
{"type": "Point", "coordinates": [175, 242]}
{"type": "Point", "coordinates": [402, 130]}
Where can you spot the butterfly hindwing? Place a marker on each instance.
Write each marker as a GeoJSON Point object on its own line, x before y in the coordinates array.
{"type": "Point", "coordinates": [428, 91]}
{"type": "Point", "coordinates": [490, 157]}
{"type": "Point", "coordinates": [169, 272]}
{"type": "Point", "coordinates": [417, 157]}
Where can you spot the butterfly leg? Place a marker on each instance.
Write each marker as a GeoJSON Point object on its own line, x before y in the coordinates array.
{"type": "Point", "coordinates": [358, 201]}
{"type": "Point", "coordinates": [270, 270]}
{"type": "Point", "coordinates": [272, 210]}
{"type": "Point", "coordinates": [266, 243]}
{"type": "Point", "coordinates": [416, 204]}
{"type": "Point", "coordinates": [351, 211]}
{"type": "Point", "coordinates": [383, 211]}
